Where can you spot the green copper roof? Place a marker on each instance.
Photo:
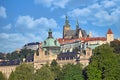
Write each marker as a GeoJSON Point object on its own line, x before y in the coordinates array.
{"type": "Point", "coordinates": [50, 42]}
{"type": "Point", "coordinates": [93, 46]}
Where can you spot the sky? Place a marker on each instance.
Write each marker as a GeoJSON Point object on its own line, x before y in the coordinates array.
{"type": "Point", "coordinates": [25, 21]}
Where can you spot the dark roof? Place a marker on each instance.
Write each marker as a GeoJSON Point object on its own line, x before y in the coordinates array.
{"type": "Point", "coordinates": [33, 43]}
{"type": "Point", "coordinates": [10, 63]}
{"type": "Point", "coordinates": [84, 33]}
{"type": "Point", "coordinates": [71, 33]}
{"type": "Point", "coordinates": [67, 55]}
{"type": "Point", "coordinates": [30, 58]}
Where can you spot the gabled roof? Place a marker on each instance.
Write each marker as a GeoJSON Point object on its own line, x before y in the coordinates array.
{"type": "Point", "coordinates": [109, 31]}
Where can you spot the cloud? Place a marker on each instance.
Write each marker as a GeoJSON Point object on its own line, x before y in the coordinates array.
{"type": "Point", "coordinates": [52, 3]}
{"type": "Point", "coordinates": [3, 12]}
{"type": "Point", "coordinates": [108, 4]}
{"type": "Point", "coordinates": [27, 29]}
{"type": "Point", "coordinates": [30, 22]}
{"type": "Point", "coordinates": [12, 41]}
{"type": "Point", "coordinates": [7, 27]}
{"type": "Point", "coordinates": [79, 12]}
{"type": "Point", "coordinates": [97, 14]}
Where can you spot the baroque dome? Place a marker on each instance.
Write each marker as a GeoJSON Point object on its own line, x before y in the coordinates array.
{"type": "Point", "coordinates": [50, 41]}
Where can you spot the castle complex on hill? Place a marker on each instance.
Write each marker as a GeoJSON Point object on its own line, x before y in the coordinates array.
{"type": "Point", "coordinates": [75, 47]}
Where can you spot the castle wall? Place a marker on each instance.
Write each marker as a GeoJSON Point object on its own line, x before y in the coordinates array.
{"type": "Point", "coordinates": [6, 70]}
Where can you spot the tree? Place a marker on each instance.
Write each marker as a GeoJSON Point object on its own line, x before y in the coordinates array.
{"type": "Point", "coordinates": [2, 77]}
{"type": "Point", "coordinates": [56, 69]}
{"type": "Point", "coordinates": [44, 73]}
{"type": "Point", "coordinates": [23, 72]}
{"type": "Point", "coordinates": [2, 56]}
{"type": "Point", "coordinates": [24, 53]}
{"type": "Point", "coordinates": [72, 72]}
{"type": "Point", "coordinates": [116, 45]}
{"type": "Point", "coordinates": [103, 64]}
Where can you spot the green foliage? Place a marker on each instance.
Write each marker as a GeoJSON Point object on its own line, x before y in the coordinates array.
{"type": "Point", "coordinates": [93, 73]}
{"type": "Point", "coordinates": [23, 72]}
{"type": "Point", "coordinates": [103, 64]}
{"type": "Point", "coordinates": [12, 56]}
{"type": "Point", "coordinates": [24, 53]}
{"type": "Point", "coordinates": [116, 45]}
{"type": "Point", "coordinates": [44, 73]}
{"type": "Point", "coordinates": [2, 56]}
{"type": "Point", "coordinates": [2, 77]}
{"type": "Point", "coordinates": [54, 63]}
{"type": "Point", "coordinates": [56, 70]}
{"type": "Point", "coordinates": [72, 72]}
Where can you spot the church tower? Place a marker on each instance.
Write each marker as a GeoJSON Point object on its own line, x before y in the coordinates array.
{"type": "Point", "coordinates": [66, 27]}
{"type": "Point", "coordinates": [110, 36]}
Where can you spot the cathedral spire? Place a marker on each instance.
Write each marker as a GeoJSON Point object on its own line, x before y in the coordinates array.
{"type": "Point", "coordinates": [77, 24]}
{"type": "Point", "coordinates": [67, 22]}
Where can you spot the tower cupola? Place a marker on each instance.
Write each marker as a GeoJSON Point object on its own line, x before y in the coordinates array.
{"type": "Point", "coordinates": [50, 33]}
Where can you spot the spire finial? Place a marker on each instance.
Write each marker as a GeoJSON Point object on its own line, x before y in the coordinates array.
{"type": "Point", "coordinates": [50, 30]}
{"type": "Point", "coordinates": [66, 17]}
{"type": "Point", "coordinates": [77, 24]}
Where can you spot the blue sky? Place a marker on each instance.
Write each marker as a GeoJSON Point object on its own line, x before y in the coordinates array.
{"type": "Point", "coordinates": [24, 21]}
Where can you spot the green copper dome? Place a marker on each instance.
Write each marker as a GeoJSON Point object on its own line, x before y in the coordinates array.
{"type": "Point", "coordinates": [50, 41]}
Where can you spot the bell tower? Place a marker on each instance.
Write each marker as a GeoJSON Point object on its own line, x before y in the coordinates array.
{"type": "Point", "coordinates": [66, 27]}
{"type": "Point", "coordinates": [110, 36]}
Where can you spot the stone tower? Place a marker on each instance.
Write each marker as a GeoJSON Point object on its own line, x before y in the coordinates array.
{"type": "Point", "coordinates": [66, 27]}
{"type": "Point", "coordinates": [110, 36]}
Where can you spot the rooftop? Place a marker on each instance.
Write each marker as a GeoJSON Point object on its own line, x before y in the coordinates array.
{"type": "Point", "coordinates": [109, 31]}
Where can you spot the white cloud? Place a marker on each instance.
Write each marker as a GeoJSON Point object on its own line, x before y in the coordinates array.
{"type": "Point", "coordinates": [30, 22]}
{"type": "Point", "coordinates": [57, 34]}
{"type": "Point", "coordinates": [108, 4]}
{"type": "Point", "coordinates": [28, 30]}
{"type": "Point", "coordinates": [79, 12]}
{"type": "Point", "coordinates": [52, 3]}
{"type": "Point", "coordinates": [12, 41]}
{"type": "Point", "coordinates": [2, 12]}
{"type": "Point", "coordinates": [97, 14]}
{"type": "Point", "coordinates": [61, 3]}
{"type": "Point", "coordinates": [7, 27]}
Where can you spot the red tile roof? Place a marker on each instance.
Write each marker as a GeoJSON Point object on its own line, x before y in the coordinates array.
{"type": "Point", "coordinates": [63, 41]}
{"type": "Point", "coordinates": [109, 31]}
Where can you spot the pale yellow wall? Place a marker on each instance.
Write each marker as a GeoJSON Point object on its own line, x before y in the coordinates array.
{"type": "Point", "coordinates": [6, 70]}
{"type": "Point", "coordinates": [110, 37]}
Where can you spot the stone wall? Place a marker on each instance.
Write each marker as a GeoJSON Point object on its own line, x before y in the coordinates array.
{"type": "Point", "coordinates": [6, 70]}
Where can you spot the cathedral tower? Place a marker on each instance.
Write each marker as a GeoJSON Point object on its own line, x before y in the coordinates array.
{"type": "Point", "coordinates": [110, 36]}
{"type": "Point", "coordinates": [66, 27]}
